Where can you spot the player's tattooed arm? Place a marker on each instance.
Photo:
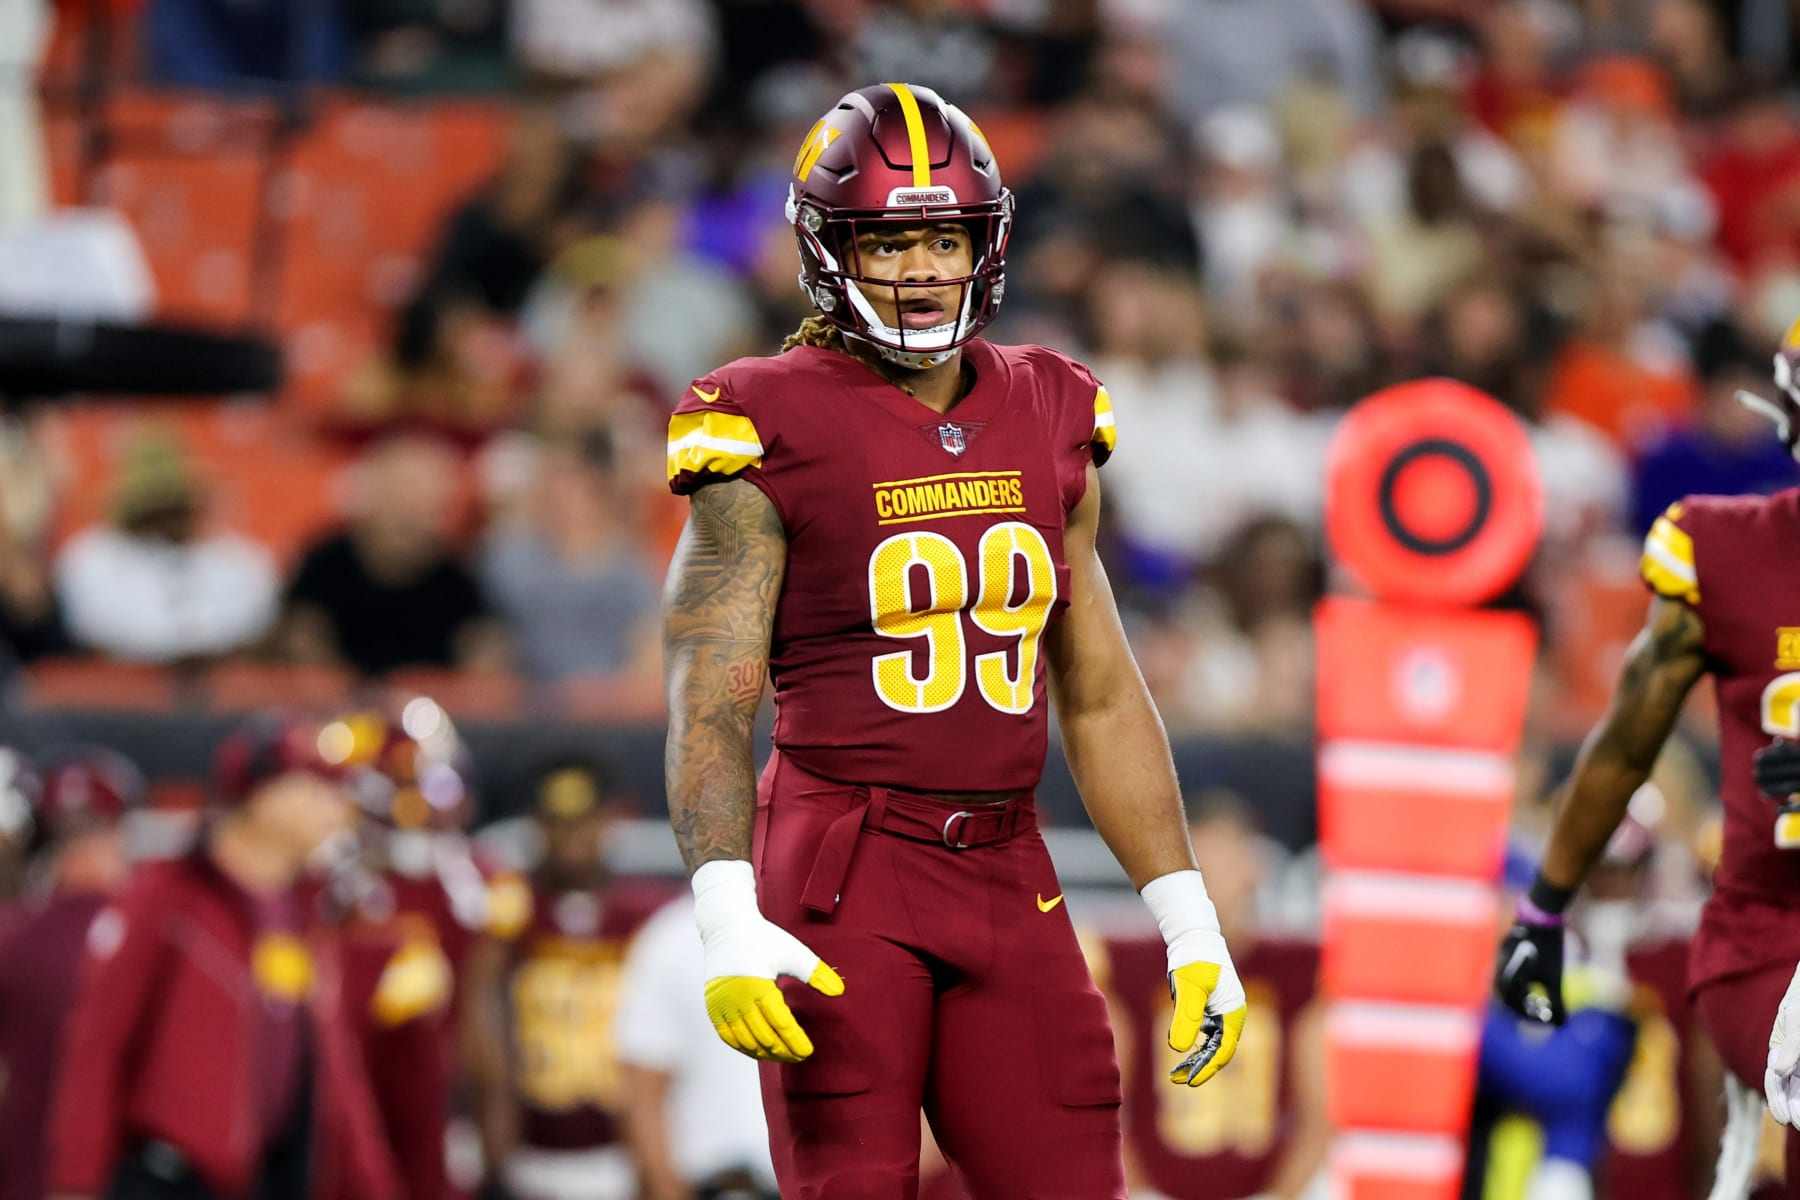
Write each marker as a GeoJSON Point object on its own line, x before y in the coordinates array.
{"type": "Point", "coordinates": [1112, 736]}
{"type": "Point", "coordinates": [1664, 661]}
{"type": "Point", "coordinates": [718, 612]}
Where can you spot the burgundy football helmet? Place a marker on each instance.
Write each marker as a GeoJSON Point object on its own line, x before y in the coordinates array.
{"type": "Point", "coordinates": [407, 767]}
{"type": "Point", "coordinates": [899, 155]}
{"type": "Point", "coordinates": [88, 785]}
{"type": "Point", "coordinates": [268, 746]}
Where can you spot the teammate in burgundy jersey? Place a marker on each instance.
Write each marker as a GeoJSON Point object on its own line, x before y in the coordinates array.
{"type": "Point", "coordinates": [1262, 1129]}
{"type": "Point", "coordinates": [1726, 602]}
{"type": "Point", "coordinates": [412, 905]}
{"type": "Point", "coordinates": [80, 857]}
{"type": "Point", "coordinates": [542, 997]}
{"type": "Point", "coordinates": [894, 523]}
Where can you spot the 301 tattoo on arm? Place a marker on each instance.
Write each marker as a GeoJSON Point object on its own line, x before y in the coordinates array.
{"type": "Point", "coordinates": [718, 613]}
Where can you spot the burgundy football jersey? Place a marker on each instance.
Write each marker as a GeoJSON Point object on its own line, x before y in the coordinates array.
{"type": "Point", "coordinates": [925, 552]}
{"type": "Point", "coordinates": [1736, 561]}
{"type": "Point", "coordinates": [41, 951]}
{"type": "Point", "coordinates": [399, 983]}
{"type": "Point", "coordinates": [1220, 1141]}
{"type": "Point", "coordinates": [1650, 1152]}
{"type": "Point", "coordinates": [562, 990]}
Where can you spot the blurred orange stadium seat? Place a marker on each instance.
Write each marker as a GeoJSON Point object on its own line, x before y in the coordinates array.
{"type": "Point", "coordinates": [268, 477]}
{"type": "Point", "coordinates": [363, 200]}
{"type": "Point", "coordinates": [100, 683]}
{"type": "Point", "coordinates": [358, 206]}
{"type": "Point", "coordinates": [249, 686]}
{"type": "Point", "coordinates": [605, 700]}
{"type": "Point", "coordinates": [471, 695]}
{"type": "Point", "coordinates": [1599, 609]}
{"type": "Point", "coordinates": [1017, 138]}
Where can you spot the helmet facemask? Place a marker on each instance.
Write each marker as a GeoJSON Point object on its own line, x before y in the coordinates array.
{"type": "Point", "coordinates": [1784, 410]}
{"type": "Point", "coordinates": [833, 279]}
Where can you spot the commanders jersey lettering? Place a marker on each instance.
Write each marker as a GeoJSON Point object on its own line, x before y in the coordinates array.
{"type": "Point", "coordinates": [1787, 648]}
{"type": "Point", "coordinates": [713, 443]}
{"type": "Point", "coordinates": [935, 614]}
{"type": "Point", "coordinates": [956, 494]}
{"type": "Point", "coordinates": [1668, 562]}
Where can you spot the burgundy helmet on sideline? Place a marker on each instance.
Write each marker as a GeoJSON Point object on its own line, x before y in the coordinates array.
{"type": "Point", "coordinates": [270, 746]}
{"type": "Point", "coordinates": [408, 768]}
{"type": "Point", "coordinates": [85, 786]}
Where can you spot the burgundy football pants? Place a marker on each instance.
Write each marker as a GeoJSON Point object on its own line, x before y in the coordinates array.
{"type": "Point", "coordinates": [962, 996]}
{"type": "Point", "coordinates": [1737, 1014]}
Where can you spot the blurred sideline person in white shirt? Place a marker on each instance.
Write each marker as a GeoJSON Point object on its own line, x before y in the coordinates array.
{"type": "Point", "coordinates": [695, 1122]}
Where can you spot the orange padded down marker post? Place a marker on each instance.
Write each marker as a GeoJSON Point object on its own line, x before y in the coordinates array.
{"type": "Point", "coordinates": [1432, 507]}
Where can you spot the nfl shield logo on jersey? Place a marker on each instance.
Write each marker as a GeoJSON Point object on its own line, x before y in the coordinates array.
{"type": "Point", "coordinates": [951, 438]}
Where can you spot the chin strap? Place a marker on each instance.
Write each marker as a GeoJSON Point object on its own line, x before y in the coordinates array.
{"type": "Point", "coordinates": [1782, 418]}
{"type": "Point", "coordinates": [912, 360]}
{"type": "Point", "coordinates": [1782, 415]}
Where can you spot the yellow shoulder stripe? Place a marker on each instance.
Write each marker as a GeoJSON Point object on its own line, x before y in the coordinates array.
{"type": "Point", "coordinates": [915, 134]}
{"type": "Point", "coordinates": [1668, 562]}
{"type": "Point", "coordinates": [722, 443]}
{"type": "Point", "coordinates": [1105, 434]}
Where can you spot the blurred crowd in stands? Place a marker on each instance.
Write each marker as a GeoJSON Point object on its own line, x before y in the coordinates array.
{"type": "Point", "coordinates": [513, 231]}
{"type": "Point", "coordinates": [1246, 216]}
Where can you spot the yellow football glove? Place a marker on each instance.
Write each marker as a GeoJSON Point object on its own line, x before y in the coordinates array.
{"type": "Point", "coordinates": [745, 953]}
{"type": "Point", "coordinates": [1212, 1036]}
{"type": "Point", "coordinates": [1209, 998]}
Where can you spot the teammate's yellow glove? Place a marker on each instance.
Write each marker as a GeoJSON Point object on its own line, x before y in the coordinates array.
{"type": "Point", "coordinates": [745, 953]}
{"type": "Point", "coordinates": [1210, 1006]}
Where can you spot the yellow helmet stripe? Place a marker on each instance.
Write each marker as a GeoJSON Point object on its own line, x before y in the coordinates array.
{"type": "Point", "coordinates": [915, 134]}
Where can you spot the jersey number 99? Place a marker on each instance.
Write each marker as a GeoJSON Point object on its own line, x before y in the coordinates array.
{"type": "Point", "coordinates": [1013, 560]}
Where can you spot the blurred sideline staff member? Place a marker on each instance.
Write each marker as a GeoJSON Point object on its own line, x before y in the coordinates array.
{"type": "Point", "coordinates": [695, 1124]}
{"type": "Point", "coordinates": [78, 861]}
{"type": "Point", "coordinates": [410, 908]}
{"type": "Point", "coordinates": [539, 1004]}
{"type": "Point", "coordinates": [206, 1059]}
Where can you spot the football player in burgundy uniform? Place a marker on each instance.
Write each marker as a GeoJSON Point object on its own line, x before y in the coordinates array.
{"type": "Point", "coordinates": [1721, 570]}
{"type": "Point", "coordinates": [893, 521]}
{"type": "Point", "coordinates": [79, 862]}
{"type": "Point", "coordinates": [541, 1002]}
{"type": "Point", "coordinates": [411, 907]}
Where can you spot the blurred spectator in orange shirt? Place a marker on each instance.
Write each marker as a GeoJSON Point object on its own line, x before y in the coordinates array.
{"type": "Point", "coordinates": [1620, 373]}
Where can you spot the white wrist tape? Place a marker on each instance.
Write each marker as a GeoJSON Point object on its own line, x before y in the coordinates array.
{"type": "Point", "coordinates": [1187, 918]}
{"type": "Point", "coordinates": [724, 896]}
